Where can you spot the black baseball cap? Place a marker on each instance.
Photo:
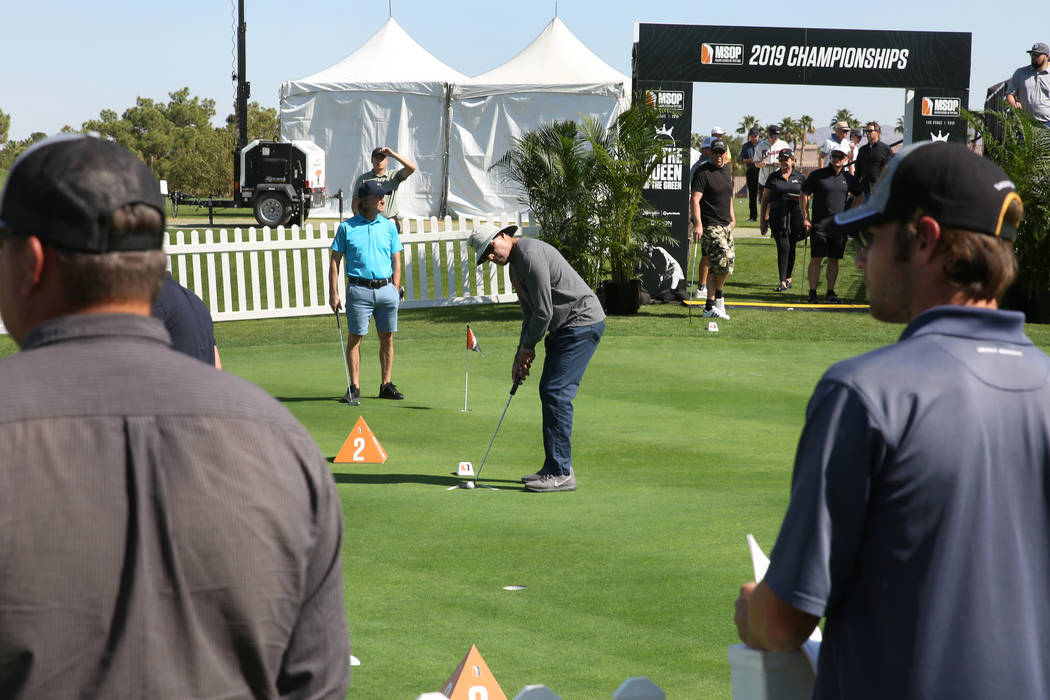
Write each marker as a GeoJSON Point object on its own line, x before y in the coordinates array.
{"type": "Point", "coordinates": [774, 130]}
{"type": "Point", "coordinates": [719, 145]}
{"type": "Point", "coordinates": [378, 151]}
{"type": "Point", "coordinates": [371, 188]}
{"type": "Point", "coordinates": [65, 189]}
{"type": "Point", "coordinates": [785, 153]}
{"type": "Point", "coordinates": [947, 181]}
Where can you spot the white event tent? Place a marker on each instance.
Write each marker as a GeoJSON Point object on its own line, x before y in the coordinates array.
{"type": "Point", "coordinates": [554, 78]}
{"type": "Point", "coordinates": [389, 92]}
{"type": "Point", "coordinates": [392, 92]}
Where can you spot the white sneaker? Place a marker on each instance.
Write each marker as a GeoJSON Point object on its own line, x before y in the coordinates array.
{"type": "Point", "coordinates": [700, 293]}
{"type": "Point", "coordinates": [717, 311]}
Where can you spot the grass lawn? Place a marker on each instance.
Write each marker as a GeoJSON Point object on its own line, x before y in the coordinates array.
{"type": "Point", "coordinates": [683, 443]}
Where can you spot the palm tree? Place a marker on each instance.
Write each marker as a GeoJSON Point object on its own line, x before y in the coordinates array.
{"type": "Point", "coordinates": [805, 123]}
{"type": "Point", "coordinates": [746, 122]}
{"type": "Point", "coordinates": [790, 129]}
{"type": "Point", "coordinates": [624, 158]}
{"type": "Point", "coordinates": [844, 115]}
{"type": "Point", "coordinates": [900, 125]}
{"type": "Point", "coordinates": [552, 167]}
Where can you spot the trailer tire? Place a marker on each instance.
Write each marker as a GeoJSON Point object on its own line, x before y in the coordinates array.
{"type": "Point", "coordinates": [272, 209]}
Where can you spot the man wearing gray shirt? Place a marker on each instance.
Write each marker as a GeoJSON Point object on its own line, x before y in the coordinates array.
{"type": "Point", "coordinates": [1029, 87]}
{"type": "Point", "coordinates": [169, 530]}
{"type": "Point", "coordinates": [556, 302]}
{"type": "Point", "coordinates": [920, 501]}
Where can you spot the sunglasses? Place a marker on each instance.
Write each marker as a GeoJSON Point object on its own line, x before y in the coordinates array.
{"type": "Point", "coordinates": [869, 131]}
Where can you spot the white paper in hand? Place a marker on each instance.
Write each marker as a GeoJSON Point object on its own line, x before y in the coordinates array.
{"type": "Point", "coordinates": [760, 564]}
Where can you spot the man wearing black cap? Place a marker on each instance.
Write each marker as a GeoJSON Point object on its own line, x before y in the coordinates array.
{"type": "Point", "coordinates": [389, 179]}
{"type": "Point", "coordinates": [830, 188]}
{"type": "Point", "coordinates": [560, 309]}
{"type": "Point", "coordinates": [1029, 87]}
{"type": "Point", "coordinates": [711, 211]}
{"type": "Point", "coordinates": [920, 507]}
{"type": "Point", "coordinates": [370, 243]}
{"type": "Point", "coordinates": [169, 530]}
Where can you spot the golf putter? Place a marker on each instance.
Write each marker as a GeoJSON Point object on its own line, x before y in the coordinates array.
{"type": "Point", "coordinates": [692, 283]}
{"type": "Point", "coordinates": [517, 383]}
{"type": "Point", "coordinates": [342, 348]}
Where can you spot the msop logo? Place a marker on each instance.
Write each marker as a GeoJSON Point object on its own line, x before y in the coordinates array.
{"type": "Point", "coordinates": [721, 54]}
{"type": "Point", "coordinates": [941, 106]}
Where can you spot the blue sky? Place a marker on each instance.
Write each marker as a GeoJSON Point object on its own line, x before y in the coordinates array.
{"type": "Point", "coordinates": [63, 62]}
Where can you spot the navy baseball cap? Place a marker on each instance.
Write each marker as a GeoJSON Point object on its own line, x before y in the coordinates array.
{"type": "Point", "coordinates": [372, 188]}
{"type": "Point", "coordinates": [947, 181]}
{"type": "Point", "coordinates": [65, 189]}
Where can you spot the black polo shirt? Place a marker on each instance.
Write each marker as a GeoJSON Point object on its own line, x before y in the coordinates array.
{"type": "Point", "coordinates": [187, 319]}
{"type": "Point", "coordinates": [716, 186]}
{"type": "Point", "coordinates": [784, 192]}
{"type": "Point", "coordinates": [829, 191]}
{"type": "Point", "coordinates": [871, 161]}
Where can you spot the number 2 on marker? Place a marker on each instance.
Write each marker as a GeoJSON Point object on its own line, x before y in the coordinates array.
{"type": "Point", "coordinates": [359, 447]}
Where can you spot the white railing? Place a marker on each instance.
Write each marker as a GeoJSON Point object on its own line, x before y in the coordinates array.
{"type": "Point", "coordinates": [273, 273]}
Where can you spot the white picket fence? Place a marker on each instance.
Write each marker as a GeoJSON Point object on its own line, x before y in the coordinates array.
{"type": "Point", "coordinates": [273, 273]}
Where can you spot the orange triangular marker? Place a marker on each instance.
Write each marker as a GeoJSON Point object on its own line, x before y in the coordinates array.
{"type": "Point", "coordinates": [361, 446]}
{"type": "Point", "coordinates": [472, 679]}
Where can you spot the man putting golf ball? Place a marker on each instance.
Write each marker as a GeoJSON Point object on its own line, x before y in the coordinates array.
{"type": "Point", "coordinates": [558, 304]}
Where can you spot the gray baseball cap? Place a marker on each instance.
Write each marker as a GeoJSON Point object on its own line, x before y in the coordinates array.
{"type": "Point", "coordinates": [1040, 47]}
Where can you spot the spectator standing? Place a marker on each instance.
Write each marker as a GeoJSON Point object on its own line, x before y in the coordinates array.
{"type": "Point", "coordinates": [839, 136]}
{"type": "Point", "coordinates": [390, 180]}
{"type": "Point", "coordinates": [830, 188]}
{"type": "Point", "coordinates": [718, 132]}
{"type": "Point", "coordinates": [766, 153]}
{"type": "Point", "coordinates": [559, 308]}
{"type": "Point", "coordinates": [169, 530]}
{"type": "Point", "coordinates": [372, 249]}
{"type": "Point", "coordinates": [711, 210]}
{"type": "Point", "coordinates": [781, 214]}
{"type": "Point", "coordinates": [919, 509]}
{"type": "Point", "coordinates": [872, 158]}
{"type": "Point", "coordinates": [856, 135]}
{"type": "Point", "coordinates": [188, 321]}
{"type": "Point", "coordinates": [1029, 87]}
{"type": "Point", "coordinates": [747, 157]}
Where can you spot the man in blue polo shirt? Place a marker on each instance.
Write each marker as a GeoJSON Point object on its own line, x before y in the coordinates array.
{"type": "Point", "coordinates": [920, 502]}
{"type": "Point", "coordinates": [372, 249]}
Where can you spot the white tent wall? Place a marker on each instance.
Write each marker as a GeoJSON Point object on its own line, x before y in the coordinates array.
{"type": "Point", "coordinates": [487, 118]}
{"type": "Point", "coordinates": [348, 123]}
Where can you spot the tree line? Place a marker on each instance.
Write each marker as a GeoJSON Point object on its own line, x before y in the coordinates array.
{"type": "Point", "coordinates": [175, 138]}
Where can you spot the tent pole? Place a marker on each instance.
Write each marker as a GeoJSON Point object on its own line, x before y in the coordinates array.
{"type": "Point", "coordinates": [443, 206]}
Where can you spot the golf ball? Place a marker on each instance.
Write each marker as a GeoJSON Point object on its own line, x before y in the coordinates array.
{"type": "Point", "coordinates": [468, 485]}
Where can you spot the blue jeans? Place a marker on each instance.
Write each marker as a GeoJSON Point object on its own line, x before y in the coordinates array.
{"type": "Point", "coordinates": [568, 352]}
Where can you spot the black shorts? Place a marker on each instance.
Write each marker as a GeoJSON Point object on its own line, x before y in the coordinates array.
{"type": "Point", "coordinates": [825, 246]}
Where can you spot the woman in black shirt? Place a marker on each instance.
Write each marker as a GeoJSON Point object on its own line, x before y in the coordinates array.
{"type": "Point", "coordinates": [782, 215]}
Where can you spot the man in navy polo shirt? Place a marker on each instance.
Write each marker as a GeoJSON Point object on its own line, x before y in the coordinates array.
{"type": "Point", "coordinates": [372, 249]}
{"type": "Point", "coordinates": [829, 187]}
{"type": "Point", "coordinates": [188, 321]}
{"type": "Point", "coordinates": [920, 502]}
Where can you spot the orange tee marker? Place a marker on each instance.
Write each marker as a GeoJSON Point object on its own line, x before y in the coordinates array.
{"type": "Point", "coordinates": [361, 446]}
{"type": "Point", "coordinates": [472, 679]}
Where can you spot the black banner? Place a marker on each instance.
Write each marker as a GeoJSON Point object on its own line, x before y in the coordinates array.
{"type": "Point", "coordinates": [862, 58]}
{"type": "Point", "coordinates": [667, 191]}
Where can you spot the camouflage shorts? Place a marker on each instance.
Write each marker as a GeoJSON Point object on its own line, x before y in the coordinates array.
{"type": "Point", "coordinates": [717, 244]}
